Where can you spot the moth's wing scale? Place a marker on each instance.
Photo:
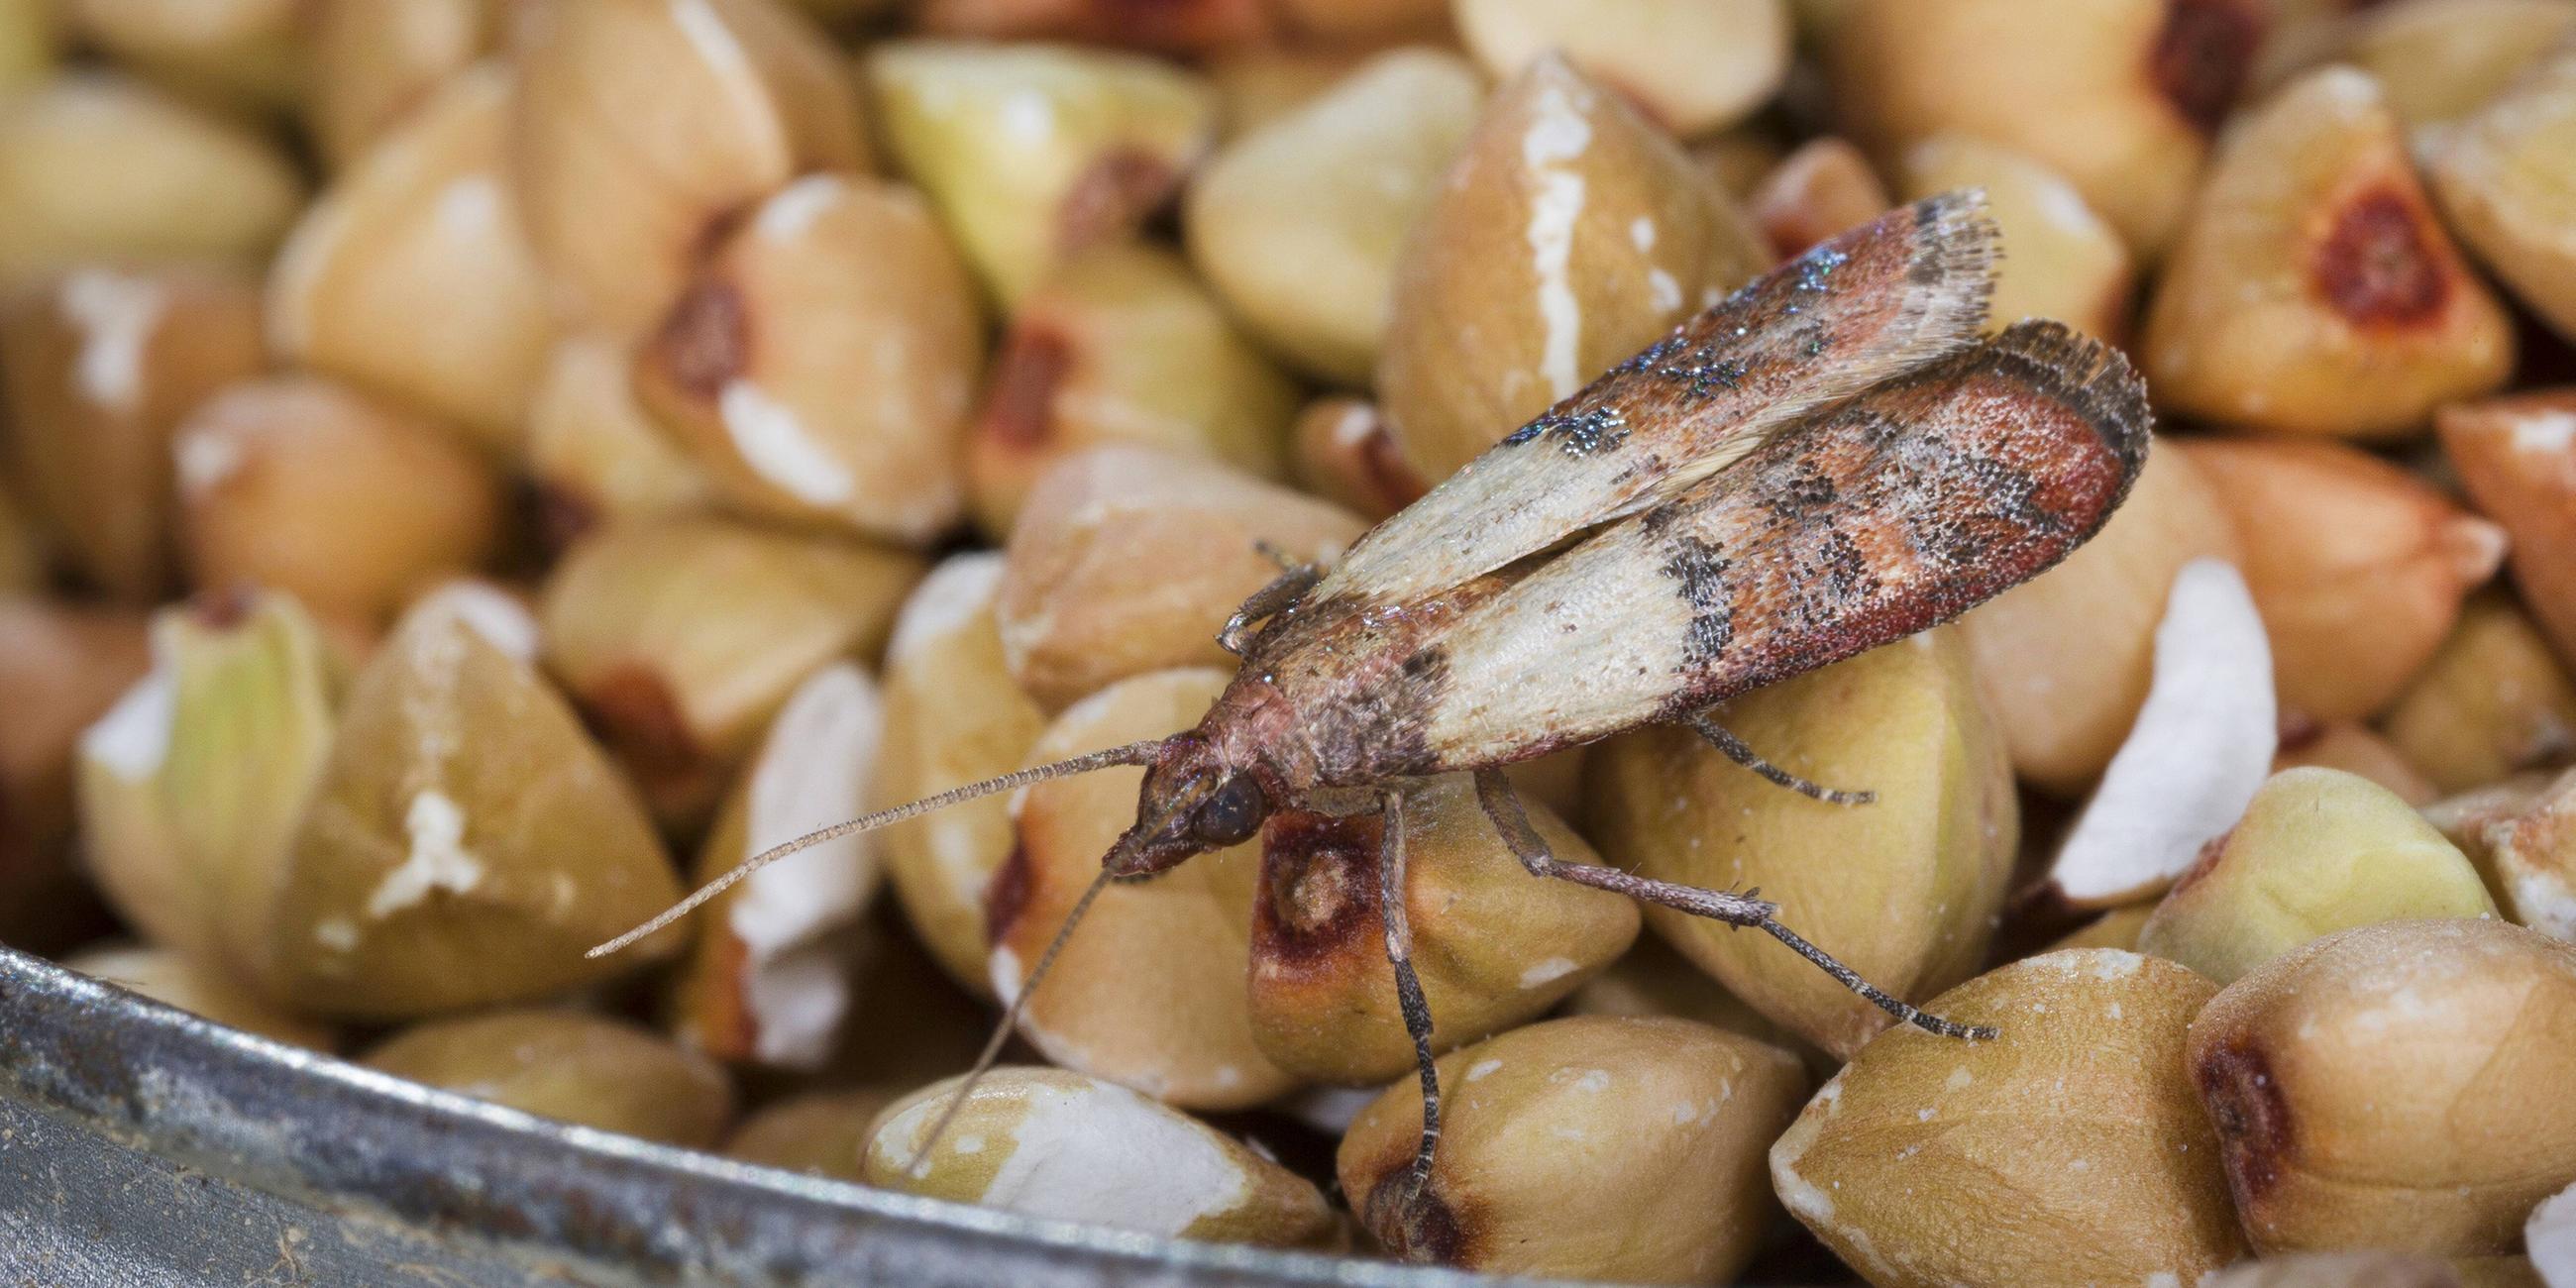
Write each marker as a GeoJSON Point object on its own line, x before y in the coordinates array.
{"type": "Point", "coordinates": [1896, 511]}
{"type": "Point", "coordinates": [1900, 291]}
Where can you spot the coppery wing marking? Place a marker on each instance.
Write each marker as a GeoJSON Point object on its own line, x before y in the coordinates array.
{"type": "Point", "coordinates": [1891, 514]}
{"type": "Point", "coordinates": [1883, 299]}
{"type": "Point", "coordinates": [1950, 518]}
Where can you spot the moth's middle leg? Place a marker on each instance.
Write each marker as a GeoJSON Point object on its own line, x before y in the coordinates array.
{"type": "Point", "coordinates": [1716, 735]}
{"type": "Point", "coordinates": [1398, 1202]}
{"type": "Point", "coordinates": [1503, 808]}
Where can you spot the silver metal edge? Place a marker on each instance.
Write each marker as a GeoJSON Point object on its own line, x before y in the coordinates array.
{"type": "Point", "coordinates": [346, 1140]}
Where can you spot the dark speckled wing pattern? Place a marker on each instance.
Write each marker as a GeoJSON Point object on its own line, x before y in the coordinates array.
{"type": "Point", "coordinates": [1904, 290]}
{"type": "Point", "coordinates": [1892, 513]}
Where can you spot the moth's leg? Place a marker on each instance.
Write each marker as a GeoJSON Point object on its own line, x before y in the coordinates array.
{"type": "Point", "coordinates": [1736, 751]}
{"type": "Point", "coordinates": [1405, 1193]}
{"type": "Point", "coordinates": [1503, 808]}
{"type": "Point", "coordinates": [1293, 580]}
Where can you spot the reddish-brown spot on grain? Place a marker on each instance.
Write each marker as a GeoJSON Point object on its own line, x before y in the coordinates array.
{"type": "Point", "coordinates": [641, 720]}
{"type": "Point", "coordinates": [1390, 480]}
{"type": "Point", "coordinates": [2252, 1117]}
{"type": "Point", "coordinates": [1430, 1229]}
{"type": "Point", "coordinates": [1019, 404]}
{"type": "Point", "coordinates": [2201, 58]}
{"type": "Point", "coordinates": [1319, 895]}
{"type": "Point", "coordinates": [562, 516]}
{"type": "Point", "coordinates": [1006, 895]}
{"type": "Point", "coordinates": [1180, 26]}
{"type": "Point", "coordinates": [705, 343]}
{"type": "Point", "coordinates": [1166, 26]}
{"type": "Point", "coordinates": [2375, 265]}
{"type": "Point", "coordinates": [2205, 862]}
{"type": "Point", "coordinates": [1116, 191]}
{"type": "Point", "coordinates": [220, 608]}
{"type": "Point", "coordinates": [725, 1029]}
{"type": "Point", "coordinates": [2299, 731]}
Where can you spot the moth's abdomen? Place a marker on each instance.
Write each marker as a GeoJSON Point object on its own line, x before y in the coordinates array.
{"type": "Point", "coordinates": [1895, 512]}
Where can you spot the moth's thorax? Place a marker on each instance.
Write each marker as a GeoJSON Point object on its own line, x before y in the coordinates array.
{"type": "Point", "coordinates": [1356, 682]}
{"type": "Point", "coordinates": [1252, 729]}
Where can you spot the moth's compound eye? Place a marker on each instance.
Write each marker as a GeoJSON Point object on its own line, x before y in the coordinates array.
{"type": "Point", "coordinates": [1231, 813]}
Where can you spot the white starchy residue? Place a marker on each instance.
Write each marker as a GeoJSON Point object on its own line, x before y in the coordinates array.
{"type": "Point", "coordinates": [1482, 1069]}
{"type": "Point", "coordinates": [206, 456]}
{"type": "Point", "coordinates": [2202, 744]}
{"type": "Point", "coordinates": [133, 738]}
{"type": "Point", "coordinates": [734, 74]}
{"type": "Point", "coordinates": [771, 440]}
{"type": "Point", "coordinates": [1005, 966]}
{"type": "Point", "coordinates": [2549, 1239]}
{"type": "Point", "coordinates": [1641, 233]}
{"type": "Point", "coordinates": [469, 207]}
{"type": "Point", "coordinates": [1330, 1110]}
{"type": "Point", "coordinates": [1593, 1080]}
{"type": "Point", "coordinates": [797, 998]}
{"type": "Point", "coordinates": [1558, 133]}
{"type": "Point", "coordinates": [1554, 968]}
{"type": "Point", "coordinates": [1959, 1077]}
{"type": "Point", "coordinates": [116, 315]}
{"type": "Point", "coordinates": [2540, 897]}
{"type": "Point", "coordinates": [2061, 205]}
{"type": "Point", "coordinates": [946, 600]}
{"type": "Point", "coordinates": [1811, 1205]}
{"type": "Point", "coordinates": [1662, 291]}
{"type": "Point", "coordinates": [438, 858]}
{"type": "Point", "coordinates": [1028, 118]}
{"type": "Point", "coordinates": [2348, 90]}
{"type": "Point", "coordinates": [1355, 426]}
{"type": "Point", "coordinates": [970, 1145]}
{"type": "Point", "coordinates": [813, 770]}
{"type": "Point", "coordinates": [1103, 1155]}
{"type": "Point", "coordinates": [1802, 1197]}
{"type": "Point", "coordinates": [795, 207]}
{"type": "Point", "coordinates": [488, 611]}
{"type": "Point", "coordinates": [2545, 432]}
{"type": "Point", "coordinates": [339, 934]}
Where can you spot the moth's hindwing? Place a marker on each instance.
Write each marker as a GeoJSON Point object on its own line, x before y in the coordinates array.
{"type": "Point", "coordinates": [1897, 511]}
{"type": "Point", "coordinates": [1903, 290]}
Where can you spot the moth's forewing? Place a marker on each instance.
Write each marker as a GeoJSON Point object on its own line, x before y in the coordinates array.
{"type": "Point", "coordinates": [1890, 514]}
{"type": "Point", "coordinates": [1903, 290]}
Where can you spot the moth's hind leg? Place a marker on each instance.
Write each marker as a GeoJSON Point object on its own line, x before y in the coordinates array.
{"type": "Point", "coordinates": [1293, 581]}
{"type": "Point", "coordinates": [1735, 750]}
{"type": "Point", "coordinates": [1503, 808]}
{"type": "Point", "coordinates": [1400, 1207]}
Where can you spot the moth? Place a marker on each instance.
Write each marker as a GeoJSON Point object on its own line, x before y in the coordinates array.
{"type": "Point", "coordinates": [1828, 460]}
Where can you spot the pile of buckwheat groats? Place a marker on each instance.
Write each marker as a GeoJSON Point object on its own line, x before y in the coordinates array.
{"type": "Point", "coordinates": [475, 468]}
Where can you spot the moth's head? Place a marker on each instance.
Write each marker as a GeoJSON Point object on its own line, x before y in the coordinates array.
{"type": "Point", "coordinates": [1193, 801]}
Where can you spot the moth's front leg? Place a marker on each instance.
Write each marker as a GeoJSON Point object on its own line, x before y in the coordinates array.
{"type": "Point", "coordinates": [1503, 809]}
{"type": "Point", "coordinates": [1293, 581]}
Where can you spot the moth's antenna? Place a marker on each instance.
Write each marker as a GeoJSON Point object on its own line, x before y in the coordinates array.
{"type": "Point", "coordinates": [1010, 1021]}
{"type": "Point", "coordinates": [1134, 753]}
